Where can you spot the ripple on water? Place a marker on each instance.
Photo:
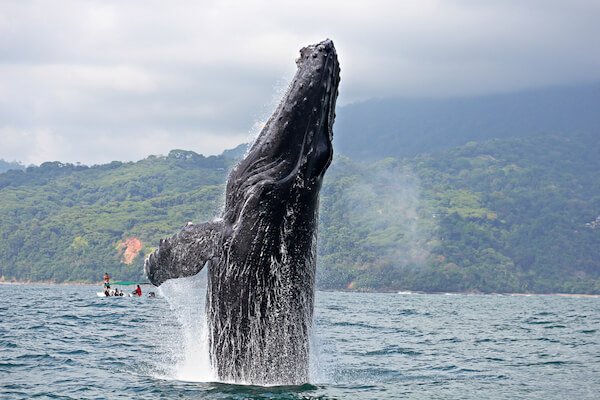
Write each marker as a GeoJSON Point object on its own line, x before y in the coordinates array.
{"type": "Point", "coordinates": [393, 349]}
{"type": "Point", "coordinates": [74, 352]}
{"type": "Point", "coordinates": [537, 321]}
{"type": "Point", "coordinates": [7, 344]}
{"type": "Point", "coordinates": [556, 326]}
{"type": "Point", "coordinates": [36, 357]}
{"type": "Point", "coordinates": [355, 324]}
{"type": "Point", "coordinates": [7, 366]}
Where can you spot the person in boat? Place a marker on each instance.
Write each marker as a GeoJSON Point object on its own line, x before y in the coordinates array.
{"type": "Point", "coordinates": [151, 294]}
{"type": "Point", "coordinates": [116, 292]}
{"type": "Point", "coordinates": [138, 291]}
{"type": "Point", "coordinates": [106, 292]}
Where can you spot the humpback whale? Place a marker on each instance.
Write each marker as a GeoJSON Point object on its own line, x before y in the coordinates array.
{"type": "Point", "coordinates": [261, 252]}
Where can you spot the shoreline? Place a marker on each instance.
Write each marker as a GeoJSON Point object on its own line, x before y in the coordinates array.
{"type": "Point", "coordinates": [400, 292]}
{"type": "Point", "coordinates": [16, 283]}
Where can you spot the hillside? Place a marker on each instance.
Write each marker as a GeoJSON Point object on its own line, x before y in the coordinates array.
{"type": "Point", "coordinates": [515, 215]}
{"type": "Point", "coordinates": [406, 127]}
{"type": "Point", "coordinates": [494, 216]}
{"type": "Point", "coordinates": [63, 222]}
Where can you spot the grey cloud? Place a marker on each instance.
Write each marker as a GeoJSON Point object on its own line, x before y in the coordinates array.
{"type": "Point", "coordinates": [77, 75]}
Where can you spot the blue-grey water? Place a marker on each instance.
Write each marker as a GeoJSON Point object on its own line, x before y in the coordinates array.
{"type": "Point", "coordinates": [65, 342]}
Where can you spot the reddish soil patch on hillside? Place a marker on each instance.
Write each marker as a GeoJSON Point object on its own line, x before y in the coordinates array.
{"type": "Point", "coordinates": [131, 247]}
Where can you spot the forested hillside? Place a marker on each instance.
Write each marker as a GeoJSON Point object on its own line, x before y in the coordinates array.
{"type": "Point", "coordinates": [494, 216]}
{"type": "Point", "coordinates": [514, 215]}
{"type": "Point", "coordinates": [63, 222]}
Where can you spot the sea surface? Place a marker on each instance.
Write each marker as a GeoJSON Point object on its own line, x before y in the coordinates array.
{"type": "Point", "coordinates": [59, 341]}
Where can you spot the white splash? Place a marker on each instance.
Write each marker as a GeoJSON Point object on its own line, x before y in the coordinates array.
{"type": "Point", "coordinates": [186, 345]}
{"type": "Point", "coordinates": [189, 343]}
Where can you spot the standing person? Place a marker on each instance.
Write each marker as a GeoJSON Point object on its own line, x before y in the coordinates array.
{"type": "Point", "coordinates": [138, 290]}
{"type": "Point", "coordinates": [106, 280]}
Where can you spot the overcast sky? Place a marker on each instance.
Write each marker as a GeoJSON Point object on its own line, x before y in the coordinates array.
{"type": "Point", "coordinates": [96, 81]}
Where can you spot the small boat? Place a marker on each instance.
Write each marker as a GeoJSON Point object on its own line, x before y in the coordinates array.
{"type": "Point", "coordinates": [101, 294]}
{"type": "Point", "coordinates": [123, 283]}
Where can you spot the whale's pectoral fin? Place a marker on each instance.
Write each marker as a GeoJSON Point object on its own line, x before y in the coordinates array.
{"type": "Point", "coordinates": [185, 253]}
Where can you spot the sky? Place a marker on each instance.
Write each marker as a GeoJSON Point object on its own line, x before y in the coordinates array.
{"type": "Point", "coordinates": [97, 81]}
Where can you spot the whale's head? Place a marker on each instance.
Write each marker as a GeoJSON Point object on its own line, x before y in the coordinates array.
{"type": "Point", "coordinates": [294, 148]}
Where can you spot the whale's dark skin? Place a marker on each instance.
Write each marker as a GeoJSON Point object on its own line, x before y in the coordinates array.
{"type": "Point", "coordinates": [261, 253]}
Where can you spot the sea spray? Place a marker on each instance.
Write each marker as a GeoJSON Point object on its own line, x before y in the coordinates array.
{"type": "Point", "coordinates": [189, 346]}
{"type": "Point", "coordinates": [319, 367]}
{"type": "Point", "coordinates": [185, 354]}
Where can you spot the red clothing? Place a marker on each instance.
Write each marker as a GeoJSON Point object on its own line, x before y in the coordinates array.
{"type": "Point", "coordinates": [138, 291]}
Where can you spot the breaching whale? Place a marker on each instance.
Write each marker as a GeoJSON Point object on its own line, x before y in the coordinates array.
{"type": "Point", "coordinates": [261, 252]}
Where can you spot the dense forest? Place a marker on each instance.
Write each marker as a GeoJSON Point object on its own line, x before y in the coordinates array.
{"type": "Point", "coordinates": [511, 215]}
{"type": "Point", "coordinates": [517, 215]}
{"type": "Point", "coordinates": [63, 222]}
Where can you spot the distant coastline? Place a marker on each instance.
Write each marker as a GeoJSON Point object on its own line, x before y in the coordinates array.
{"type": "Point", "coordinates": [578, 295]}
{"type": "Point", "coordinates": [29, 282]}
{"type": "Point", "coordinates": [409, 293]}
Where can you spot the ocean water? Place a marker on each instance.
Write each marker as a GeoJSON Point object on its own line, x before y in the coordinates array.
{"type": "Point", "coordinates": [59, 341]}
